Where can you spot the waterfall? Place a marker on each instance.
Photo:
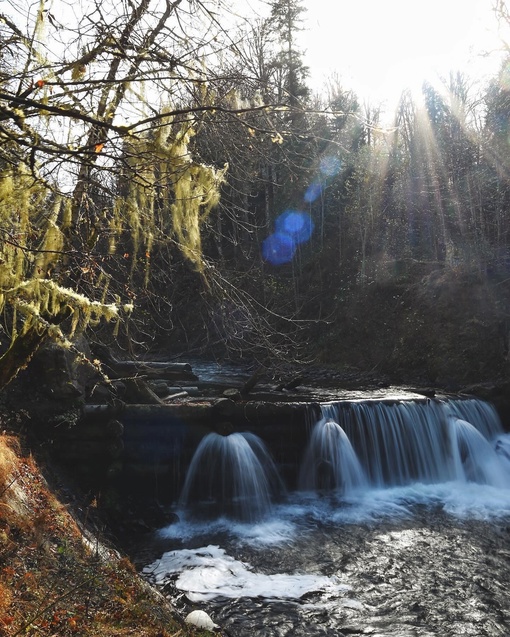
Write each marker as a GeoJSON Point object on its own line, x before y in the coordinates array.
{"type": "Point", "coordinates": [330, 461]}
{"type": "Point", "coordinates": [410, 441]}
{"type": "Point", "coordinates": [231, 475]}
{"type": "Point", "coordinates": [474, 458]}
{"type": "Point", "coordinates": [354, 446]}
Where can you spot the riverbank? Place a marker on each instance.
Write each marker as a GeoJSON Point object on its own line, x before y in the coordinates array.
{"type": "Point", "coordinates": [58, 576]}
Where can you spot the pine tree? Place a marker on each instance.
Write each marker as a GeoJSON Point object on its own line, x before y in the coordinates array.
{"type": "Point", "coordinates": [286, 17]}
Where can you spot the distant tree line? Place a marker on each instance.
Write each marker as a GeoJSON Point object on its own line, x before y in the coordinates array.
{"type": "Point", "coordinates": [169, 170]}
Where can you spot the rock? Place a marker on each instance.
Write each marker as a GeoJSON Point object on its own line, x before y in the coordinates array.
{"type": "Point", "coordinates": [224, 406]}
{"type": "Point", "coordinates": [58, 372]}
{"type": "Point", "coordinates": [224, 428]}
{"type": "Point", "coordinates": [201, 619]}
{"type": "Point", "coordinates": [232, 393]}
{"type": "Point", "coordinates": [428, 392]}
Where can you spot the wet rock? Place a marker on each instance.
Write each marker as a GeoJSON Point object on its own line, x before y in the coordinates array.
{"type": "Point", "coordinates": [224, 428]}
{"type": "Point", "coordinates": [201, 619]}
{"type": "Point", "coordinates": [233, 394]}
{"type": "Point", "coordinates": [224, 406]}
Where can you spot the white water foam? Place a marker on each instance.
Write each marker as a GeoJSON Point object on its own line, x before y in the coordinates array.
{"type": "Point", "coordinates": [469, 480]}
{"type": "Point", "coordinates": [461, 499]}
{"type": "Point", "coordinates": [207, 573]}
{"type": "Point", "coordinates": [273, 531]}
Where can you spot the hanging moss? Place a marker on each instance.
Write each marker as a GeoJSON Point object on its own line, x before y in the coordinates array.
{"type": "Point", "coordinates": [191, 190]}
{"type": "Point", "coordinates": [52, 243]}
{"type": "Point", "coordinates": [32, 248]}
{"type": "Point", "coordinates": [35, 226]}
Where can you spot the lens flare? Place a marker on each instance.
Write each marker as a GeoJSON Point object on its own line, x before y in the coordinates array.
{"type": "Point", "coordinates": [293, 227]}
{"type": "Point", "coordinates": [313, 192]}
{"type": "Point", "coordinates": [295, 224]}
{"type": "Point", "coordinates": [278, 248]}
{"type": "Point", "coordinates": [330, 166]}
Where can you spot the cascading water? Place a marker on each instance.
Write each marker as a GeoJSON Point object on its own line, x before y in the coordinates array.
{"type": "Point", "coordinates": [409, 441]}
{"type": "Point", "coordinates": [355, 445]}
{"type": "Point", "coordinates": [330, 462]}
{"type": "Point", "coordinates": [231, 475]}
{"type": "Point", "coordinates": [388, 556]}
{"type": "Point", "coordinates": [474, 458]}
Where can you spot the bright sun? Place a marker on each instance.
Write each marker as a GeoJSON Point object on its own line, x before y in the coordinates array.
{"type": "Point", "coordinates": [380, 47]}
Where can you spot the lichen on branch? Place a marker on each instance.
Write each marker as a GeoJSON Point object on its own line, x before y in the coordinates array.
{"type": "Point", "coordinates": [171, 195]}
{"type": "Point", "coordinates": [33, 290]}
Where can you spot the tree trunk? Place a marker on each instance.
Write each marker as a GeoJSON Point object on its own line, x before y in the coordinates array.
{"type": "Point", "coordinates": [25, 345]}
{"type": "Point", "coordinates": [20, 353]}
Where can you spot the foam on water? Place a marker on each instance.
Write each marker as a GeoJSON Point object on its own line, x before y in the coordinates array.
{"type": "Point", "coordinates": [208, 572]}
{"type": "Point", "coordinates": [365, 465]}
{"type": "Point", "coordinates": [487, 497]}
{"type": "Point", "coordinates": [272, 531]}
{"type": "Point", "coordinates": [459, 498]}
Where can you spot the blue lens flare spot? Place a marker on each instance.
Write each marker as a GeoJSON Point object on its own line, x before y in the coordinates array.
{"type": "Point", "coordinates": [329, 166]}
{"type": "Point", "coordinates": [313, 192]}
{"type": "Point", "coordinates": [295, 224]}
{"type": "Point", "coordinates": [278, 248]}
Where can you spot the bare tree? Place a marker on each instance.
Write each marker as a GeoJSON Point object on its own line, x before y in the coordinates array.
{"type": "Point", "coordinates": [87, 94]}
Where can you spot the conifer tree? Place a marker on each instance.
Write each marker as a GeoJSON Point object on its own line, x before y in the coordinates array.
{"type": "Point", "coordinates": [286, 17]}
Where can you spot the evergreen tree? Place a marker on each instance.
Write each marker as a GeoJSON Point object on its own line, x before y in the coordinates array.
{"type": "Point", "coordinates": [286, 22]}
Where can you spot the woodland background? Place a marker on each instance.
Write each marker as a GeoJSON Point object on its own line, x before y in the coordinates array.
{"type": "Point", "coordinates": [147, 155]}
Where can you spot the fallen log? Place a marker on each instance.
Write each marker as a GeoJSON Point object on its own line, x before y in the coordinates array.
{"type": "Point", "coordinates": [148, 373]}
{"type": "Point", "coordinates": [198, 411]}
{"type": "Point", "coordinates": [190, 390]}
{"type": "Point", "coordinates": [117, 368]}
{"type": "Point", "coordinates": [176, 367]}
{"type": "Point", "coordinates": [292, 384]}
{"type": "Point", "coordinates": [139, 391]}
{"type": "Point", "coordinates": [253, 380]}
{"type": "Point", "coordinates": [170, 397]}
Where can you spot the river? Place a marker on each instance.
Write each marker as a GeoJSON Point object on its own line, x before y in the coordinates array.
{"type": "Point", "coordinates": [417, 544]}
{"type": "Point", "coordinates": [421, 560]}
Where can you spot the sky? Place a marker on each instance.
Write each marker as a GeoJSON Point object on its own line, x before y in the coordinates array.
{"type": "Point", "coordinates": [379, 47]}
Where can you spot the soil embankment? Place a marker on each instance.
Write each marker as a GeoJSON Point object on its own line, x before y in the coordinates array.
{"type": "Point", "coordinates": [56, 576]}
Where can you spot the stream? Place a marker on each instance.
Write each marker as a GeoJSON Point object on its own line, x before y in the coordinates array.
{"type": "Point", "coordinates": [419, 560]}
{"type": "Point", "coordinates": [399, 527]}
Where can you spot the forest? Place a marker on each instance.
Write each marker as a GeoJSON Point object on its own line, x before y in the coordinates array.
{"type": "Point", "coordinates": [170, 184]}
{"type": "Point", "coordinates": [174, 193]}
